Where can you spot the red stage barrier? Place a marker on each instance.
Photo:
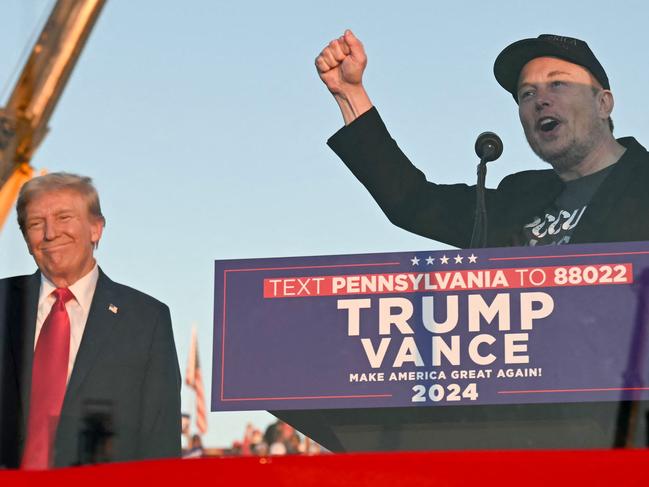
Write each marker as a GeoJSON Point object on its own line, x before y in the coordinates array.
{"type": "Point", "coordinates": [515, 468]}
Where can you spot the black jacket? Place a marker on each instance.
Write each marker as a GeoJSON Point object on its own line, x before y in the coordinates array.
{"type": "Point", "coordinates": [618, 211]}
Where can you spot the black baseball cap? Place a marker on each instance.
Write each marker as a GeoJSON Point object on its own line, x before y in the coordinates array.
{"type": "Point", "coordinates": [511, 60]}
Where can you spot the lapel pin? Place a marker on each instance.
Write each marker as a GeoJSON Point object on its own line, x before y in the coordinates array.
{"type": "Point", "coordinates": [112, 308]}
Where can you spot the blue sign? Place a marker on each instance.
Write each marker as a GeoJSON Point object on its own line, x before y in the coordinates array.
{"type": "Point", "coordinates": [485, 326]}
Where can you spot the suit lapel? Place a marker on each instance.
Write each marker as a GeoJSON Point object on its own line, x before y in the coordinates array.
{"type": "Point", "coordinates": [609, 195]}
{"type": "Point", "coordinates": [100, 324]}
{"type": "Point", "coordinates": [24, 307]}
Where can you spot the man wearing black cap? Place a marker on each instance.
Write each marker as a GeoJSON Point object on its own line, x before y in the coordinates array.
{"type": "Point", "coordinates": [595, 191]}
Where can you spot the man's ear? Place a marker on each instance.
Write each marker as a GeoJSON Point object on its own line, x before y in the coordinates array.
{"type": "Point", "coordinates": [605, 103]}
{"type": "Point", "coordinates": [96, 229]}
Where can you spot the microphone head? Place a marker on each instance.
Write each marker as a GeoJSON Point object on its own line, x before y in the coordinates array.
{"type": "Point", "coordinates": [488, 146]}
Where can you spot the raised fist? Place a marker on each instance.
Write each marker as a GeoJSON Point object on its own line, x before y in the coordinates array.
{"type": "Point", "coordinates": [341, 63]}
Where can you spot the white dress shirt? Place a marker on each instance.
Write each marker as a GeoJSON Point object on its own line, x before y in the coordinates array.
{"type": "Point", "coordinates": [77, 308]}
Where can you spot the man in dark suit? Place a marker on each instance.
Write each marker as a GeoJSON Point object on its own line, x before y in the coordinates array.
{"type": "Point", "coordinates": [83, 360]}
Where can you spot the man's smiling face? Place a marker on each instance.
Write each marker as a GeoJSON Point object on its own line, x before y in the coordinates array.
{"type": "Point", "coordinates": [561, 110]}
{"type": "Point", "coordinates": [61, 234]}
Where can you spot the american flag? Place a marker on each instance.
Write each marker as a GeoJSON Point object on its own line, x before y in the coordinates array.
{"type": "Point", "coordinates": [194, 380]}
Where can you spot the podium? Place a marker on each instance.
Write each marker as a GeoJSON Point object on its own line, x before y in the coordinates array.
{"type": "Point", "coordinates": [523, 426]}
{"type": "Point", "coordinates": [487, 349]}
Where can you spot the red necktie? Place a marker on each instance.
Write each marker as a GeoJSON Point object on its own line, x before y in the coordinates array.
{"type": "Point", "coordinates": [49, 379]}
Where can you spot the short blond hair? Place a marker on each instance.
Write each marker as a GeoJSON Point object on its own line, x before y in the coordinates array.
{"type": "Point", "coordinates": [58, 181]}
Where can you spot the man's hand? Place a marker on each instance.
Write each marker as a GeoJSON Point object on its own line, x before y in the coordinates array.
{"type": "Point", "coordinates": [340, 66]}
{"type": "Point", "coordinates": [341, 63]}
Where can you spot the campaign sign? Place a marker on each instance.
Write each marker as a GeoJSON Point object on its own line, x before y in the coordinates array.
{"type": "Point", "coordinates": [428, 328]}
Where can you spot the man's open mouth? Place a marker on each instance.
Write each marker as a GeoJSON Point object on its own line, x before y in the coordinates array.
{"type": "Point", "coordinates": [547, 124]}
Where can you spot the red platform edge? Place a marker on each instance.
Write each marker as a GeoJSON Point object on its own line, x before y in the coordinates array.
{"type": "Point", "coordinates": [479, 468]}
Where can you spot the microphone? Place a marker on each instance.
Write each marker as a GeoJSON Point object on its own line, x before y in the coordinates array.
{"type": "Point", "coordinates": [488, 146]}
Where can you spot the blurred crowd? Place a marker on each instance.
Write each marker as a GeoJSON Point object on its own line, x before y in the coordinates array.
{"type": "Point", "coordinates": [279, 438]}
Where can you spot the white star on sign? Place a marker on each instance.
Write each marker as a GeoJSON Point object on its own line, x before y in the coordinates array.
{"type": "Point", "coordinates": [443, 259]}
{"type": "Point", "coordinates": [458, 259]}
{"type": "Point", "coordinates": [414, 260]}
{"type": "Point", "coordinates": [473, 259]}
{"type": "Point", "coordinates": [429, 260]}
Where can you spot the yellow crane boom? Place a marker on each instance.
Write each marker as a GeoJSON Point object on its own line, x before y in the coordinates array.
{"type": "Point", "coordinates": [24, 119]}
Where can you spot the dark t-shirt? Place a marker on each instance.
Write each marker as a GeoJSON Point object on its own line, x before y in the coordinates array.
{"type": "Point", "coordinates": [563, 215]}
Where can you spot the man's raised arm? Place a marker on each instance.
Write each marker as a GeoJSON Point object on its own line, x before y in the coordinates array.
{"type": "Point", "coordinates": [340, 66]}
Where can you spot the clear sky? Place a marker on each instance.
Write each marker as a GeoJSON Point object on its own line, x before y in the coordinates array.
{"type": "Point", "coordinates": [204, 125]}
